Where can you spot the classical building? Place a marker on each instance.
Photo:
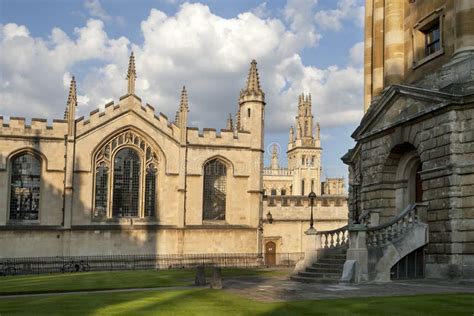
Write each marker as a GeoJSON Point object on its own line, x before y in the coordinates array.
{"type": "Point", "coordinates": [128, 181]}
{"type": "Point", "coordinates": [411, 184]}
{"type": "Point", "coordinates": [286, 190]}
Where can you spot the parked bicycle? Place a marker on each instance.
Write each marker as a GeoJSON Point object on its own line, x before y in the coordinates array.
{"type": "Point", "coordinates": [7, 268]}
{"type": "Point", "coordinates": [73, 266]}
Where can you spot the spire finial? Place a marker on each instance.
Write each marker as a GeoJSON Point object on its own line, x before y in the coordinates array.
{"type": "Point", "coordinates": [230, 123]}
{"type": "Point", "coordinates": [131, 74]}
{"type": "Point", "coordinates": [183, 104]}
{"type": "Point", "coordinates": [253, 82]}
{"type": "Point", "coordinates": [70, 112]}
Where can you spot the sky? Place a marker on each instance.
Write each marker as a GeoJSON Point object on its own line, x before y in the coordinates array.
{"type": "Point", "coordinates": [301, 46]}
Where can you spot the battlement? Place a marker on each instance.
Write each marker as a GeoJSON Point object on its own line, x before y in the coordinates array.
{"type": "Point", "coordinates": [126, 103]}
{"type": "Point", "coordinates": [303, 201]}
{"type": "Point", "coordinates": [224, 137]}
{"type": "Point", "coordinates": [277, 172]}
{"type": "Point", "coordinates": [38, 128]}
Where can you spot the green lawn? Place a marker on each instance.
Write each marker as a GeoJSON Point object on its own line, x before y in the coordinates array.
{"type": "Point", "coordinates": [63, 282]}
{"type": "Point", "coordinates": [211, 302]}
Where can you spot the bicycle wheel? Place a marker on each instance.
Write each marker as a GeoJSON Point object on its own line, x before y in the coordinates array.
{"type": "Point", "coordinates": [10, 271]}
{"type": "Point", "coordinates": [86, 267]}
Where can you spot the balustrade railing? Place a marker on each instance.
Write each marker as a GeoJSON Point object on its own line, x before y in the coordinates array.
{"type": "Point", "coordinates": [333, 238]}
{"type": "Point", "coordinates": [394, 229]}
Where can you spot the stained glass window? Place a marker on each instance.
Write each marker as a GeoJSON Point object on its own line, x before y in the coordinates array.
{"type": "Point", "coordinates": [215, 174]}
{"type": "Point", "coordinates": [126, 183]}
{"type": "Point", "coordinates": [25, 188]}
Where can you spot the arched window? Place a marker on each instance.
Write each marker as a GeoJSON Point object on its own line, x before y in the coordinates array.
{"type": "Point", "coordinates": [283, 192]}
{"type": "Point", "coordinates": [274, 192]}
{"type": "Point", "coordinates": [25, 188]}
{"type": "Point", "coordinates": [126, 187]}
{"type": "Point", "coordinates": [126, 178]}
{"type": "Point", "coordinates": [215, 182]}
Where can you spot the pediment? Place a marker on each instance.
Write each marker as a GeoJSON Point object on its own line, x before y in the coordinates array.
{"type": "Point", "coordinates": [398, 105]}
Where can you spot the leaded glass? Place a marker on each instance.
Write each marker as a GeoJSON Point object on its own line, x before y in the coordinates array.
{"type": "Point", "coordinates": [215, 174]}
{"type": "Point", "coordinates": [101, 184]}
{"type": "Point", "coordinates": [150, 190]}
{"type": "Point", "coordinates": [25, 188]}
{"type": "Point", "coordinates": [126, 183]}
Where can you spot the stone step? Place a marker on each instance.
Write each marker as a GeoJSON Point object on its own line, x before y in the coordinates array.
{"type": "Point", "coordinates": [329, 275]}
{"type": "Point", "coordinates": [312, 280]}
{"type": "Point", "coordinates": [337, 262]}
{"type": "Point", "coordinates": [324, 270]}
{"type": "Point", "coordinates": [335, 256]}
{"type": "Point", "coordinates": [326, 265]}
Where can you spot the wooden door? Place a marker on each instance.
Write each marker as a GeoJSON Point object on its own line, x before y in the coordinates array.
{"type": "Point", "coordinates": [270, 253]}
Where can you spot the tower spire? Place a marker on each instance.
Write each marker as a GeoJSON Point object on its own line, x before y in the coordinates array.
{"type": "Point", "coordinates": [183, 104]}
{"type": "Point", "coordinates": [70, 112]}
{"type": "Point", "coordinates": [253, 83]}
{"type": "Point", "coordinates": [131, 75]}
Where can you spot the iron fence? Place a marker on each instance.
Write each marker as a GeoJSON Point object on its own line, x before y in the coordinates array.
{"type": "Point", "coordinates": [39, 265]}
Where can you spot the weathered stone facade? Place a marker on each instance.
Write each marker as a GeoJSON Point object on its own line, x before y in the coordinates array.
{"type": "Point", "coordinates": [416, 140]}
{"type": "Point", "coordinates": [128, 181]}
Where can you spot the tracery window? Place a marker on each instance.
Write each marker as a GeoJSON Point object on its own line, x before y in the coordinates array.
{"type": "Point", "coordinates": [126, 178]}
{"type": "Point", "coordinates": [215, 182]}
{"type": "Point", "coordinates": [25, 187]}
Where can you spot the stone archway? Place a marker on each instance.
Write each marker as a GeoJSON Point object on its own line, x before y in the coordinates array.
{"type": "Point", "coordinates": [401, 180]}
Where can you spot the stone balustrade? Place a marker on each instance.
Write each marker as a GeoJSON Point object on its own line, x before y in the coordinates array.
{"type": "Point", "coordinates": [333, 238]}
{"type": "Point", "coordinates": [393, 230]}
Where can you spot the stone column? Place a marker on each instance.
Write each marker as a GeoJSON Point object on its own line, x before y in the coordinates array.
{"type": "Point", "coordinates": [464, 25]}
{"type": "Point", "coordinates": [368, 54]}
{"type": "Point", "coordinates": [394, 42]}
{"type": "Point", "coordinates": [378, 47]}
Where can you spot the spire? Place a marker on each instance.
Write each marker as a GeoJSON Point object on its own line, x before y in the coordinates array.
{"type": "Point", "coordinates": [237, 118]}
{"type": "Point", "coordinates": [292, 134]}
{"type": "Point", "coordinates": [70, 112]}
{"type": "Point", "coordinates": [230, 123]}
{"type": "Point", "coordinates": [253, 83]}
{"type": "Point", "coordinates": [131, 74]}
{"type": "Point", "coordinates": [183, 104]}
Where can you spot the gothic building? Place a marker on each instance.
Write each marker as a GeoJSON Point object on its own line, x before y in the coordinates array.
{"type": "Point", "coordinates": [286, 190]}
{"type": "Point", "coordinates": [128, 181]}
{"type": "Point", "coordinates": [413, 164]}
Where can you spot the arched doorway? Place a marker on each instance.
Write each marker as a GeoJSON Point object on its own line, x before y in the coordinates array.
{"type": "Point", "coordinates": [270, 253]}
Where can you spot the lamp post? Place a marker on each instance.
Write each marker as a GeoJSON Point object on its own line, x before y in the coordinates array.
{"type": "Point", "coordinates": [311, 230]}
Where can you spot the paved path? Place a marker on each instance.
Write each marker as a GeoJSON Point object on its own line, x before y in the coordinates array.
{"type": "Point", "coordinates": [283, 289]}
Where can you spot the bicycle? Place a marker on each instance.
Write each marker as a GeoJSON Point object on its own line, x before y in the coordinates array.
{"type": "Point", "coordinates": [7, 269]}
{"type": "Point", "coordinates": [73, 266]}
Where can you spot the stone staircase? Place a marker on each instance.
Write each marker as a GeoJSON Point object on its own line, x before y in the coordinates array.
{"type": "Point", "coordinates": [327, 269]}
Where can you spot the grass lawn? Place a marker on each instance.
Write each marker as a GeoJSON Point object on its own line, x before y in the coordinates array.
{"type": "Point", "coordinates": [211, 302]}
{"type": "Point", "coordinates": [62, 282]}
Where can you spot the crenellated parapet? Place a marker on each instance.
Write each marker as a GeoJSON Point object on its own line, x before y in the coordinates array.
{"type": "Point", "coordinates": [224, 137]}
{"type": "Point", "coordinates": [39, 127]}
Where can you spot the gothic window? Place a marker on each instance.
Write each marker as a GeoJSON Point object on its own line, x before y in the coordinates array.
{"type": "Point", "coordinates": [248, 112]}
{"type": "Point", "coordinates": [25, 188]}
{"type": "Point", "coordinates": [101, 185]}
{"type": "Point", "coordinates": [302, 187]}
{"type": "Point", "coordinates": [215, 174]}
{"type": "Point", "coordinates": [126, 176]}
{"type": "Point", "coordinates": [283, 192]}
{"type": "Point", "coordinates": [126, 188]}
{"type": "Point", "coordinates": [150, 189]}
{"type": "Point", "coordinates": [274, 192]}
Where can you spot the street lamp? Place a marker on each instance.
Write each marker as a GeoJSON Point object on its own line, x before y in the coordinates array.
{"type": "Point", "coordinates": [311, 230]}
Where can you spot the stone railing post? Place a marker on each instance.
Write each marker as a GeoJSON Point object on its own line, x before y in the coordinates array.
{"type": "Point", "coordinates": [358, 251]}
{"type": "Point", "coordinates": [312, 244]}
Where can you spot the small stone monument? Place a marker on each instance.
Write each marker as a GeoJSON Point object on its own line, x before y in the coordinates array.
{"type": "Point", "coordinates": [216, 279]}
{"type": "Point", "coordinates": [200, 278]}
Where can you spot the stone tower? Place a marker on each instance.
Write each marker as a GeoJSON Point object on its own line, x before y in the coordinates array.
{"type": "Point", "coordinates": [304, 151]}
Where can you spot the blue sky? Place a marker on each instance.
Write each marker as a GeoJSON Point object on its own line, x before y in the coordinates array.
{"type": "Point", "coordinates": [305, 46]}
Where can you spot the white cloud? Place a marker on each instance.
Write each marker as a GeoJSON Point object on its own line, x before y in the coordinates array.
{"type": "Point", "coordinates": [95, 10]}
{"type": "Point", "coordinates": [346, 10]}
{"type": "Point", "coordinates": [356, 54]}
{"type": "Point", "coordinates": [207, 53]}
